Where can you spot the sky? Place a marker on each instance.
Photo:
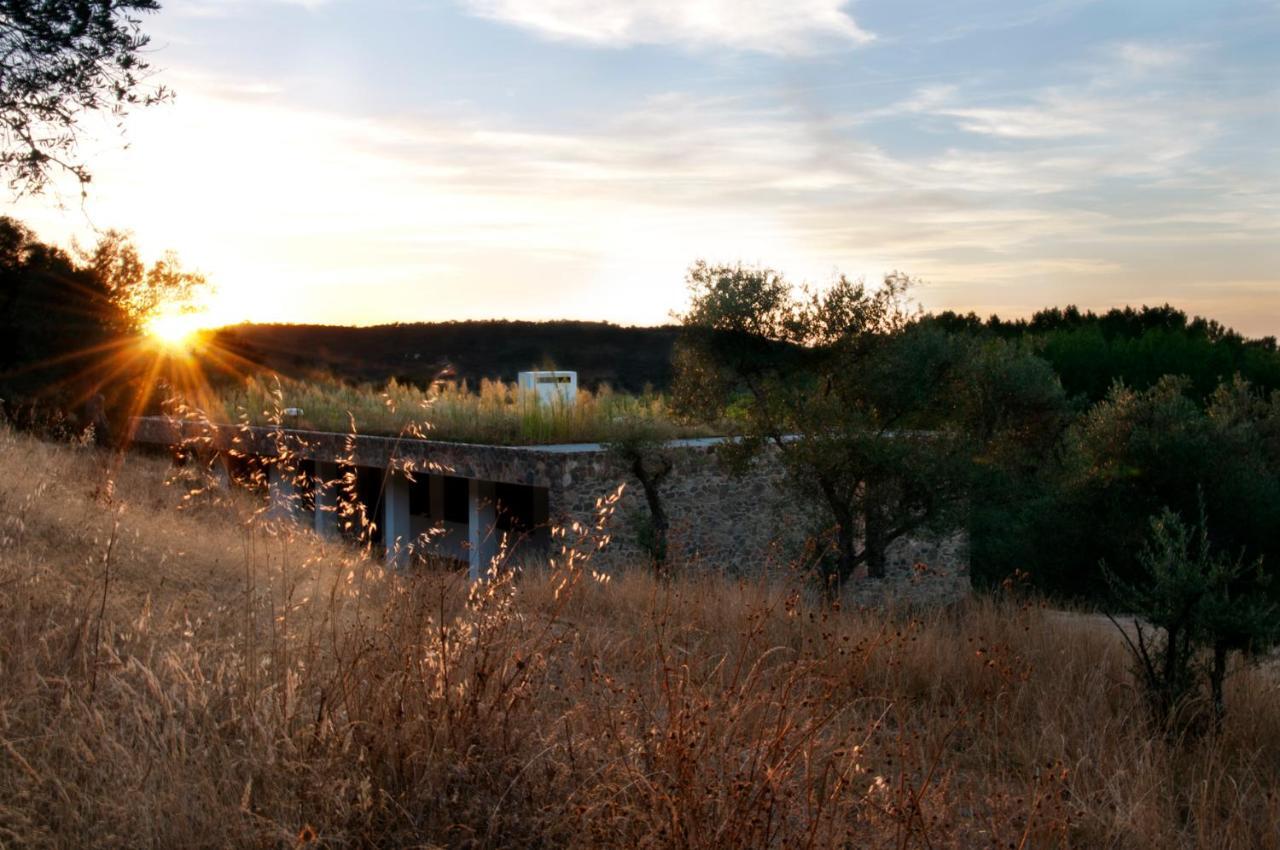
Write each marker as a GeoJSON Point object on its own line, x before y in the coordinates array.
{"type": "Point", "coordinates": [370, 161]}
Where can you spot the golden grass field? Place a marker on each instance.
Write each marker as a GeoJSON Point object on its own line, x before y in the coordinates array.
{"type": "Point", "coordinates": [201, 678]}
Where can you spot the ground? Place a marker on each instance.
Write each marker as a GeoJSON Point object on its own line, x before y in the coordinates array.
{"type": "Point", "coordinates": [176, 670]}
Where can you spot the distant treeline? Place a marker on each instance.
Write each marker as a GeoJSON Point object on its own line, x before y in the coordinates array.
{"type": "Point", "coordinates": [1138, 346]}
{"type": "Point", "coordinates": [1089, 351]}
{"type": "Point", "coordinates": [625, 358]}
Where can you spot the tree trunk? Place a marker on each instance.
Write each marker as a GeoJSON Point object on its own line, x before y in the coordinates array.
{"type": "Point", "coordinates": [657, 512]}
{"type": "Point", "coordinates": [835, 575]}
{"type": "Point", "coordinates": [846, 557]}
{"type": "Point", "coordinates": [875, 542]}
{"type": "Point", "coordinates": [1217, 675]}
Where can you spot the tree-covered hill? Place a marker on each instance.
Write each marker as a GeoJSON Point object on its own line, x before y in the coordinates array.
{"type": "Point", "coordinates": [1138, 346]}
{"type": "Point", "coordinates": [626, 358]}
{"type": "Point", "coordinates": [1089, 351]}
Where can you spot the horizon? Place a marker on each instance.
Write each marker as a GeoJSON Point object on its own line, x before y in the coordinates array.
{"type": "Point", "coordinates": [326, 162]}
{"type": "Point", "coordinates": [675, 325]}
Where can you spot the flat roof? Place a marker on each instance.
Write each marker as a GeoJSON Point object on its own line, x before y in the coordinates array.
{"type": "Point", "coordinates": [164, 430]}
{"type": "Point", "coordinates": [576, 448]}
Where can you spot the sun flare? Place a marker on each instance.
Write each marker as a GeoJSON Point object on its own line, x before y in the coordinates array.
{"type": "Point", "coordinates": [175, 331]}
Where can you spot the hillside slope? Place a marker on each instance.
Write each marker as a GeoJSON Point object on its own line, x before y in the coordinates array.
{"type": "Point", "coordinates": [206, 678]}
{"type": "Point", "coordinates": [626, 358]}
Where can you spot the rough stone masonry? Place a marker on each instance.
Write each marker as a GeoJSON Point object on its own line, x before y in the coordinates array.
{"type": "Point", "coordinates": [735, 523]}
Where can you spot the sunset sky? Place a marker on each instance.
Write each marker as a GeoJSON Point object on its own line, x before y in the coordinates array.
{"type": "Point", "coordinates": [407, 160]}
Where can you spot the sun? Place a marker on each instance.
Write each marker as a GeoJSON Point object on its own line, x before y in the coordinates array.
{"type": "Point", "coordinates": [174, 331]}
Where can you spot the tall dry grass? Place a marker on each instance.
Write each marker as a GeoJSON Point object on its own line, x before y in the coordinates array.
{"type": "Point", "coordinates": [495, 412]}
{"type": "Point", "coordinates": [204, 677]}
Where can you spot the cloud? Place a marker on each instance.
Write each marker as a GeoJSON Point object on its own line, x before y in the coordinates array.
{"type": "Point", "coordinates": [1126, 113]}
{"type": "Point", "coordinates": [1077, 192]}
{"type": "Point", "coordinates": [769, 26]}
{"type": "Point", "coordinates": [229, 8]}
{"type": "Point", "coordinates": [1143, 58]}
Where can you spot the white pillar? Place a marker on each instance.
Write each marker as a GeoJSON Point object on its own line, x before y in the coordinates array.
{"type": "Point", "coordinates": [221, 476]}
{"type": "Point", "coordinates": [395, 518]}
{"type": "Point", "coordinates": [326, 499]}
{"type": "Point", "coordinates": [481, 527]}
{"type": "Point", "coordinates": [281, 494]}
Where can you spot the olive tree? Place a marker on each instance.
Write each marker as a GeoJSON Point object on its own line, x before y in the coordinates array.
{"type": "Point", "coordinates": [140, 291]}
{"type": "Point", "coordinates": [648, 458]}
{"type": "Point", "coordinates": [1193, 607]}
{"type": "Point", "coordinates": [845, 387]}
{"type": "Point", "coordinates": [61, 60]}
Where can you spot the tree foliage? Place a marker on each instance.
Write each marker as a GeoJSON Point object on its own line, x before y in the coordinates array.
{"type": "Point", "coordinates": [61, 60]}
{"type": "Point", "coordinates": [1137, 452]}
{"type": "Point", "coordinates": [140, 292]}
{"type": "Point", "coordinates": [1137, 346]}
{"type": "Point", "coordinates": [70, 323]}
{"type": "Point", "coordinates": [1193, 607]}
{"type": "Point", "coordinates": [845, 387]}
{"type": "Point", "coordinates": [54, 315]}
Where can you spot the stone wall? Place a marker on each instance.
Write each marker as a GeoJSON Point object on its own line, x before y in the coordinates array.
{"type": "Point", "coordinates": [743, 523]}
{"type": "Point", "coordinates": [734, 523]}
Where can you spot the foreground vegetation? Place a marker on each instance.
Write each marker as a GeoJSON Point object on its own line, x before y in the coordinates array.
{"type": "Point", "coordinates": [199, 677]}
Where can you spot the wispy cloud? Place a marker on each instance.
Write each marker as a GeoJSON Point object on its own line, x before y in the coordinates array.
{"type": "Point", "coordinates": [769, 26]}
{"type": "Point", "coordinates": [466, 214]}
{"type": "Point", "coordinates": [1143, 58]}
{"type": "Point", "coordinates": [1117, 171]}
{"type": "Point", "coordinates": [225, 8]}
{"type": "Point", "coordinates": [983, 16]}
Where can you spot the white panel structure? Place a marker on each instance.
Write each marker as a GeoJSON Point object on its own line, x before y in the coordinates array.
{"type": "Point", "coordinates": [557, 388]}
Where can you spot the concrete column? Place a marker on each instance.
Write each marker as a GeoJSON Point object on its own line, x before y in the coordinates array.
{"type": "Point", "coordinates": [436, 483]}
{"type": "Point", "coordinates": [282, 494]}
{"type": "Point", "coordinates": [541, 537]}
{"type": "Point", "coordinates": [395, 518]}
{"type": "Point", "coordinates": [221, 475]}
{"type": "Point", "coordinates": [326, 498]}
{"type": "Point", "coordinates": [482, 533]}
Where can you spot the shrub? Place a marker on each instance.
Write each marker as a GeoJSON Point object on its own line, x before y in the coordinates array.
{"type": "Point", "coordinates": [1193, 607]}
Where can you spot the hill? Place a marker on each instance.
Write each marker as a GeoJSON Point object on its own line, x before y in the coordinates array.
{"type": "Point", "coordinates": [625, 358]}
{"type": "Point", "coordinates": [1089, 351]}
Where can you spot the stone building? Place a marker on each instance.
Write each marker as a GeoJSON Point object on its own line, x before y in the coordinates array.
{"type": "Point", "coordinates": [465, 501]}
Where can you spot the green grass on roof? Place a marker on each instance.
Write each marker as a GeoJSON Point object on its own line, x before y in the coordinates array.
{"type": "Point", "coordinates": [495, 413]}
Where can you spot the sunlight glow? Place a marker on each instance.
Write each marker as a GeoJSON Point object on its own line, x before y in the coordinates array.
{"type": "Point", "coordinates": [175, 331]}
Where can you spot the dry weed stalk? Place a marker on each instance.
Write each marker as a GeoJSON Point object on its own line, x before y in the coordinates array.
{"type": "Point", "coordinates": [250, 685]}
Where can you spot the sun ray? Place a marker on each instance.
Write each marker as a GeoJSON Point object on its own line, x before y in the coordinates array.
{"type": "Point", "coordinates": [115, 345]}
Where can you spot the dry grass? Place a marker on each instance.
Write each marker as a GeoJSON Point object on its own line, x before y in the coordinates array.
{"type": "Point", "coordinates": [493, 413]}
{"type": "Point", "coordinates": [195, 678]}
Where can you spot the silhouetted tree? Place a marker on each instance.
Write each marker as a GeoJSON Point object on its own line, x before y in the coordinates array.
{"type": "Point", "coordinates": [70, 325]}
{"type": "Point", "coordinates": [140, 292]}
{"type": "Point", "coordinates": [59, 61]}
{"type": "Point", "coordinates": [54, 315]}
